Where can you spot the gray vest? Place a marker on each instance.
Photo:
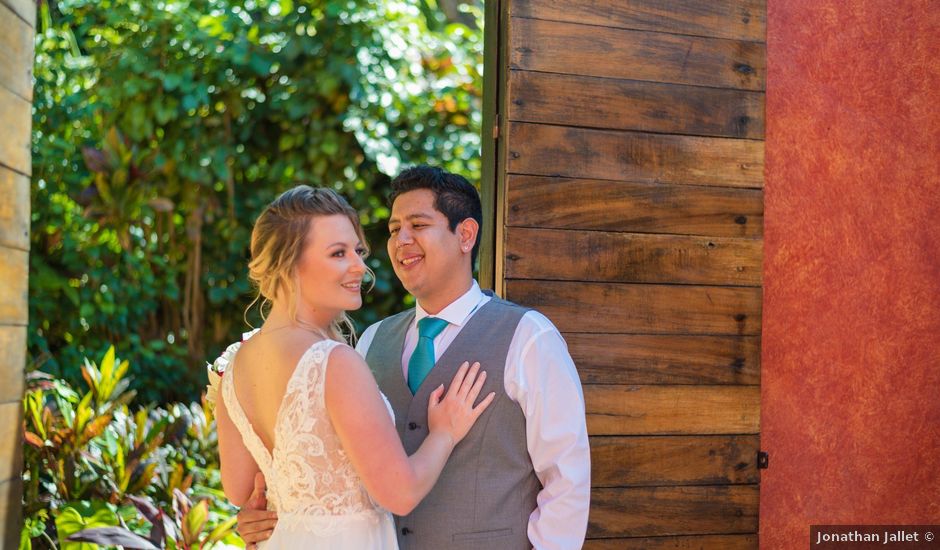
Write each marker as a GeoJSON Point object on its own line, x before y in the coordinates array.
{"type": "Point", "coordinates": [488, 488]}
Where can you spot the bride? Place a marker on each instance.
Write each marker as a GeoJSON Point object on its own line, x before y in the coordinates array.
{"type": "Point", "coordinates": [302, 407]}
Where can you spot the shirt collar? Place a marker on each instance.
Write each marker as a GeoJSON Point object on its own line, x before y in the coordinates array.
{"type": "Point", "coordinates": [456, 312]}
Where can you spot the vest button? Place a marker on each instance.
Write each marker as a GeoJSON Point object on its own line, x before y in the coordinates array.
{"type": "Point", "coordinates": [405, 531]}
{"type": "Point", "coordinates": [412, 426]}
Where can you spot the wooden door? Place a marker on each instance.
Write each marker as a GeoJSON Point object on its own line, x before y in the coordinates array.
{"type": "Point", "coordinates": [625, 172]}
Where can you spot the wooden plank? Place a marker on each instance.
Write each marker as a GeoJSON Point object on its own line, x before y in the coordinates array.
{"type": "Point", "coordinates": [674, 460]}
{"type": "Point", "coordinates": [12, 363]}
{"type": "Point", "coordinates": [14, 286]}
{"type": "Point", "coordinates": [493, 83]}
{"type": "Point", "coordinates": [11, 512]}
{"type": "Point", "coordinates": [642, 308]}
{"type": "Point", "coordinates": [14, 209]}
{"type": "Point", "coordinates": [659, 359]}
{"type": "Point", "coordinates": [633, 105]}
{"type": "Point", "coordinates": [735, 19]}
{"type": "Point", "coordinates": [16, 63]}
{"type": "Point", "coordinates": [16, 42]}
{"type": "Point", "coordinates": [585, 50]}
{"type": "Point", "coordinates": [672, 410]}
{"type": "Point", "coordinates": [536, 201]}
{"type": "Point", "coordinates": [11, 464]}
{"type": "Point", "coordinates": [541, 150]}
{"type": "Point", "coordinates": [662, 511]}
{"type": "Point", "coordinates": [15, 113]}
{"type": "Point", "coordinates": [695, 542]}
{"type": "Point", "coordinates": [24, 9]}
{"type": "Point", "coordinates": [631, 257]}
{"type": "Point", "coordinates": [11, 439]}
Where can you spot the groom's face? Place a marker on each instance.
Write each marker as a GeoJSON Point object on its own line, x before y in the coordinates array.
{"type": "Point", "coordinates": [426, 255]}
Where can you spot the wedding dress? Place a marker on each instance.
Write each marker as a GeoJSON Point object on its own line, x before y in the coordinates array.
{"type": "Point", "coordinates": [320, 500]}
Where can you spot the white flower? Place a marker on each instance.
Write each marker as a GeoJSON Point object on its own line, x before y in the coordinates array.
{"type": "Point", "coordinates": [212, 390]}
{"type": "Point", "coordinates": [318, 356]}
{"type": "Point", "coordinates": [217, 368]}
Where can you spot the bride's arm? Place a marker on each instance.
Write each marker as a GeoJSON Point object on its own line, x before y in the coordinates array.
{"type": "Point", "coordinates": [396, 481]}
{"type": "Point", "coordinates": [238, 466]}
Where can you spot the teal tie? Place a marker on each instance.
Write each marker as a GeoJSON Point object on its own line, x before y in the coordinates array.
{"type": "Point", "coordinates": [422, 360]}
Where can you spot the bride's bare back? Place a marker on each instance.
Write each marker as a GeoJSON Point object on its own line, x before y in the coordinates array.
{"type": "Point", "coordinates": [320, 499]}
{"type": "Point", "coordinates": [266, 362]}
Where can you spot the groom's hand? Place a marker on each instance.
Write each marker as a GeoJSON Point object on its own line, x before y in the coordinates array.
{"type": "Point", "coordinates": [255, 522]}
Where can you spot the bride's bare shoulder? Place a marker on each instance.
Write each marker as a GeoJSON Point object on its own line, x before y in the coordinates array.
{"type": "Point", "coordinates": [283, 348]}
{"type": "Point", "coordinates": [342, 355]}
{"type": "Point", "coordinates": [347, 369]}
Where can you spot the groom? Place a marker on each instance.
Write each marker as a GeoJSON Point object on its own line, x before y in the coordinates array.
{"type": "Point", "coordinates": [521, 478]}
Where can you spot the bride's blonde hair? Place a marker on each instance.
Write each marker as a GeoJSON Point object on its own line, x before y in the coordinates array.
{"type": "Point", "coordinates": [278, 240]}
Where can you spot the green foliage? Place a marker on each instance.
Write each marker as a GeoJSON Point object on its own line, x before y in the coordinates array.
{"type": "Point", "coordinates": [162, 128]}
{"type": "Point", "coordinates": [71, 521]}
{"type": "Point", "coordinates": [91, 465]}
{"type": "Point", "coordinates": [191, 528]}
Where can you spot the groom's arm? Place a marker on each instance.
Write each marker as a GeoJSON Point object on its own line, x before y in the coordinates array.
{"type": "Point", "coordinates": [255, 522]}
{"type": "Point", "coordinates": [542, 379]}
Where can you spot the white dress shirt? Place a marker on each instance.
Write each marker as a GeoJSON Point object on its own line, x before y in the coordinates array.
{"type": "Point", "coordinates": [541, 377]}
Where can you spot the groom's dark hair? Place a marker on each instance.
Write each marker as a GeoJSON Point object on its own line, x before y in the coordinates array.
{"type": "Point", "coordinates": [454, 196]}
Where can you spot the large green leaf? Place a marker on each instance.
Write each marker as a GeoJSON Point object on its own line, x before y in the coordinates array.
{"type": "Point", "coordinates": [70, 521]}
{"type": "Point", "coordinates": [113, 536]}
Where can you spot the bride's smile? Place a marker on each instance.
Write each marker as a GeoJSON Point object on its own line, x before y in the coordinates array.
{"type": "Point", "coordinates": [330, 270]}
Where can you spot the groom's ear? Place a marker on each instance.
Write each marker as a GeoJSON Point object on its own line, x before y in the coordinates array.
{"type": "Point", "coordinates": [467, 232]}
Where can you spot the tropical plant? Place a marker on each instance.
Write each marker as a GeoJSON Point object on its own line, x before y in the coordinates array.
{"type": "Point", "coordinates": [188, 528]}
{"type": "Point", "coordinates": [162, 128]}
{"type": "Point", "coordinates": [91, 463]}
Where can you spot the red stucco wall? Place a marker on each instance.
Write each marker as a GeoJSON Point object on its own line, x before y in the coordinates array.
{"type": "Point", "coordinates": [851, 318]}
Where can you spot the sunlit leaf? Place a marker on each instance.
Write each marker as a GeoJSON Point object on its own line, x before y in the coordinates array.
{"type": "Point", "coordinates": [222, 530]}
{"type": "Point", "coordinates": [111, 536]}
{"type": "Point", "coordinates": [33, 439]}
{"type": "Point", "coordinates": [70, 521]}
{"type": "Point", "coordinates": [194, 521]}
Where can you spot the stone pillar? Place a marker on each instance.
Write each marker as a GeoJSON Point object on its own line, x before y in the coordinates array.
{"type": "Point", "coordinates": [17, 32]}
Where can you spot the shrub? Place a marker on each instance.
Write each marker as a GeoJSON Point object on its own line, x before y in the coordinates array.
{"type": "Point", "coordinates": [91, 462]}
{"type": "Point", "coordinates": [162, 128]}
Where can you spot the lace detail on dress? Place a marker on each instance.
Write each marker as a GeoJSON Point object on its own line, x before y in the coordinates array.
{"type": "Point", "coordinates": [308, 474]}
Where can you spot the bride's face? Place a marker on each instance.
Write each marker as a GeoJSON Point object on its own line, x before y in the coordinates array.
{"type": "Point", "coordinates": [330, 268]}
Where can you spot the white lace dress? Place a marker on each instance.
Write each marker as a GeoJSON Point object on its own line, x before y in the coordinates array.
{"type": "Point", "coordinates": [320, 500]}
